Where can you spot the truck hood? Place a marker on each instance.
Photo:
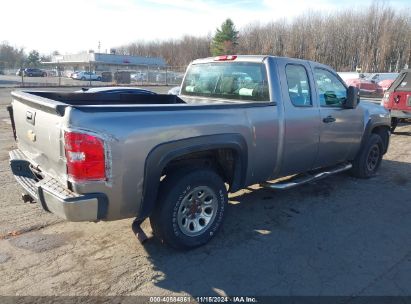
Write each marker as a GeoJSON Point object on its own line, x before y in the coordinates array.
{"type": "Point", "coordinates": [376, 113]}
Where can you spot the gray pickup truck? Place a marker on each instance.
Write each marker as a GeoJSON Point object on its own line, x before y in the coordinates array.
{"type": "Point", "coordinates": [238, 121]}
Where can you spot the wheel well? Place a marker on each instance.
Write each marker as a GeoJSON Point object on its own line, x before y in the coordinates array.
{"type": "Point", "coordinates": [384, 133]}
{"type": "Point", "coordinates": [224, 161]}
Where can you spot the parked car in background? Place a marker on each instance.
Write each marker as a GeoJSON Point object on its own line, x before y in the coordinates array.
{"type": "Point", "coordinates": [385, 84]}
{"type": "Point", "coordinates": [52, 73]}
{"type": "Point", "coordinates": [70, 74]}
{"type": "Point", "coordinates": [369, 84]}
{"type": "Point", "coordinates": [84, 75]}
{"type": "Point", "coordinates": [19, 72]}
{"type": "Point", "coordinates": [378, 77]}
{"type": "Point", "coordinates": [365, 86]}
{"type": "Point", "coordinates": [139, 76]}
{"type": "Point", "coordinates": [174, 91]}
{"type": "Point", "coordinates": [397, 99]}
{"type": "Point", "coordinates": [34, 72]}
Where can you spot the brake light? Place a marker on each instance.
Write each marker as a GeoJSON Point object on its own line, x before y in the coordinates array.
{"type": "Point", "coordinates": [85, 157]}
{"type": "Point", "coordinates": [386, 98]}
{"type": "Point", "coordinates": [225, 57]}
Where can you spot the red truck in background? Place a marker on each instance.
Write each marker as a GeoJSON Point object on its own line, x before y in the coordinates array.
{"type": "Point", "coordinates": [374, 84]}
{"type": "Point", "coordinates": [397, 99]}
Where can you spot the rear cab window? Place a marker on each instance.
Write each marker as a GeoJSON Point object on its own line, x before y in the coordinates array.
{"type": "Point", "coordinates": [246, 81]}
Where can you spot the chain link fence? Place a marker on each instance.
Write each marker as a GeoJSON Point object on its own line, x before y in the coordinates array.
{"type": "Point", "coordinates": [63, 76]}
{"type": "Point", "coordinates": [114, 76]}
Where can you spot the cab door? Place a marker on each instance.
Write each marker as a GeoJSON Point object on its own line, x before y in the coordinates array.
{"type": "Point", "coordinates": [340, 128]}
{"type": "Point", "coordinates": [302, 117]}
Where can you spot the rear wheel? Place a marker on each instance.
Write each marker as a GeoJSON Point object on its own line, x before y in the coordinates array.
{"type": "Point", "coordinates": [369, 158]}
{"type": "Point", "coordinates": [83, 78]}
{"type": "Point", "coordinates": [98, 78]}
{"type": "Point", "coordinates": [190, 209]}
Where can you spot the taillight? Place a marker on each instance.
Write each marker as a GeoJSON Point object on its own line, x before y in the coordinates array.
{"type": "Point", "coordinates": [386, 98]}
{"type": "Point", "coordinates": [85, 157]}
{"type": "Point", "coordinates": [225, 57]}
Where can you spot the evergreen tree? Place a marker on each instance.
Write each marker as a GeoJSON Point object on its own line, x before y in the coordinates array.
{"type": "Point", "coordinates": [225, 39]}
{"type": "Point", "coordinates": [33, 59]}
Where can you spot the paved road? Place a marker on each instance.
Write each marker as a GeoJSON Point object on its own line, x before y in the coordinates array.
{"type": "Point", "coordinates": [340, 236]}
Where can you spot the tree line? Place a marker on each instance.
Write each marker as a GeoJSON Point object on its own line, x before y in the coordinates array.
{"type": "Point", "coordinates": [377, 38]}
{"type": "Point", "coordinates": [374, 39]}
{"type": "Point", "coordinates": [14, 57]}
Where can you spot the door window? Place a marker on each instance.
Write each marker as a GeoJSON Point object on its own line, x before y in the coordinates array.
{"type": "Point", "coordinates": [332, 92]}
{"type": "Point", "coordinates": [298, 86]}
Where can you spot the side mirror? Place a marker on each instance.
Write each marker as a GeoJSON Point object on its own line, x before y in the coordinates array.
{"type": "Point", "coordinates": [353, 98]}
{"type": "Point", "coordinates": [331, 98]}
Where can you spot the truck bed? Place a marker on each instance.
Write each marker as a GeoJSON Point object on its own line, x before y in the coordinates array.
{"type": "Point", "coordinates": [57, 102]}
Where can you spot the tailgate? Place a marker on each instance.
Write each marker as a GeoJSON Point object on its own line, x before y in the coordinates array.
{"type": "Point", "coordinates": [402, 101]}
{"type": "Point", "coordinates": [39, 137]}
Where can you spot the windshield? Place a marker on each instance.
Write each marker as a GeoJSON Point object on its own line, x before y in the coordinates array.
{"type": "Point", "coordinates": [228, 80]}
{"type": "Point", "coordinates": [402, 83]}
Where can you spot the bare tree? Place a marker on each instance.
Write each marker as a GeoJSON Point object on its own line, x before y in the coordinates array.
{"type": "Point", "coordinates": [374, 39]}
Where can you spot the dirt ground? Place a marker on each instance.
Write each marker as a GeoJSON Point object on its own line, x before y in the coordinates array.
{"type": "Point", "coordinates": [340, 236]}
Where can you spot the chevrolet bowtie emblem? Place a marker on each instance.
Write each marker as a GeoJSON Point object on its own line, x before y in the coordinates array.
{"type": "Point", "coordinates": [31, 135]}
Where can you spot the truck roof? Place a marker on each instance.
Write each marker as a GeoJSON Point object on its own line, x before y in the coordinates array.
{"type": "Point", "coordinates": [248, 58]}
{"type": "Point", "coordinates": [258, 59]}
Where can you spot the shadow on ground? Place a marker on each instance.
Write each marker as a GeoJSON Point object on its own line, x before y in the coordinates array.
{"type": "Point", "coordinates": [338, 236]}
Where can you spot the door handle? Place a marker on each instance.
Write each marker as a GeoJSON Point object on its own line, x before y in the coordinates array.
{"type": "Point", "coordinates": [329, 119]}
{"type": "Point", "coordinates": [30, 117]}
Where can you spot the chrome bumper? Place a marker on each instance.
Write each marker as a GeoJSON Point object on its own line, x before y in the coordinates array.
{"type": "Point", "coordinates": [54, 197]}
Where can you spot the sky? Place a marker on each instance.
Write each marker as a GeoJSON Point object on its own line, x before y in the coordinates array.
{"type": "Point", "coordinates": [71, 26]}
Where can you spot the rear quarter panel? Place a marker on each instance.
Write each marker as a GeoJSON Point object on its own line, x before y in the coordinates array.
{"type": "Point", "coordinates": [131, 134]}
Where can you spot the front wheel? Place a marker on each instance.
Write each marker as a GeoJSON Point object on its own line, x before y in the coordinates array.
{"type": "Point", "coordinates": [190, 208]}
{"type": "Point", "coordinates": [98, 78]}
{"type": "Point", "coordinates": [369, 158]}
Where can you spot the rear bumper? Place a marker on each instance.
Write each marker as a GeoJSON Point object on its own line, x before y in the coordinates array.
{"type": "Point", "coordinates": [56, 198]}
{"type": "Point", "coordinates": [400, 114]}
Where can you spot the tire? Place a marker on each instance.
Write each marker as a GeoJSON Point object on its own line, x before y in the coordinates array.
{"type": "Point", "coordinates": [368, 160]}
{"type": "Point", "coordinates": [83, 78]}
{"type": "Point", "coordinates": [98, 78]}
{"type": "Point", "coordinates": [183, 222]}
{"type": "Point", "coordinates": [394, 124]}
{"type": "Point", "coordinates": [30, 75]}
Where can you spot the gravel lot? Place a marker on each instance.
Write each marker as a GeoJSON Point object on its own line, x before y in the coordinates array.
{"type": "Point", "coordinates": [339, 236]}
